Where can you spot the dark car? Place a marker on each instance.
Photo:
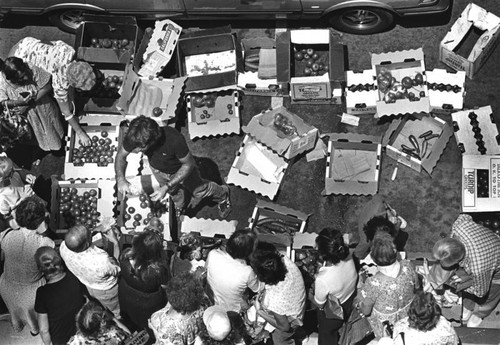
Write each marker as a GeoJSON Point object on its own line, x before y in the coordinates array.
{"type": "Point", "coordinates": [351, 16]}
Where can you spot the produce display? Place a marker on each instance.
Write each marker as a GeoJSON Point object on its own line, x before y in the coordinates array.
{"type": "Point", "coordinates": [272, 225]}
{"type": "Point", "coordinates": [111, 43]}
{"type": "Point", "coordinates": [142, 211]}
{"type": "Point", "coordinates": [477, 135]}
{"type": "Point", "coordinates": [107, 87]}
{"type": "Point", "coordinates": [310, 62]}
{"type": "Point", "coordinates": [79, 206]}
{"type": "Point", "coordinates": [101, 151]}
{"type": "Point", "coordinates": [212, 106]}
{"type": "Point", "coordinates": [409, 87]}
{"type": "Point", "coordinates": [284, 125]}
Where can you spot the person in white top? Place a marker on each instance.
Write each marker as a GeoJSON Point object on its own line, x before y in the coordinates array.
{"type": "Point", "coordinates": [93, 266]}
{"type": "Point", "coordinates": [229, 275]}
{"type": "Point", "coordinates": [336, 280]}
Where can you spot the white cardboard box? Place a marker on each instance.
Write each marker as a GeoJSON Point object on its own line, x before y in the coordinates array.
{"type": "Point", "coordinates": [224, 116]}
{"type": "Point", "coordinates": [262, 129]}
{"type": "Point", "coordinates": [472, 16]}
{"type": "Point", "coordinates": [446, 90]}
{"type": "Point", "coordinates": [257, 168]}
{"type": "Point", "coordinates": [470, 133]}
{"type": "Point", "coordinates": [480, 183]}
{"type": "Point", "coordinates": [361, 92]}
{"type": "Point", "coordinates": [208, 227]}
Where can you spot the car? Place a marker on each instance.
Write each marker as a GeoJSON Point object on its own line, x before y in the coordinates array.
{"type": "Point", "coordinates": [350, 16]}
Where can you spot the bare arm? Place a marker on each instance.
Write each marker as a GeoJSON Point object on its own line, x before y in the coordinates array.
{"type": "Point", "coordinates": [68, 110]}
{"type": "Point", "coordinates": [188, 164]}
{"type": "Point", "coordinates": [43, 323]}
{"type": "Point", "coordinates": [276, 320]}
{"type": "Point", "coordinates": [120, 168]}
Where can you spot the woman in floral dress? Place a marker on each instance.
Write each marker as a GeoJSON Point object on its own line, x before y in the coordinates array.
{"type": "Point", "coordinates": [387, 295]}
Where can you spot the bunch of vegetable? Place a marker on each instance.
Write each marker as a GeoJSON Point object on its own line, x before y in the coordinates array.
{"type": "Point", "coordinates": [276, 226]}
{"type": "Point", "coordinates": [284, 125]}
{"type": "Point", "coordinates": [252, 60]}
{"type": "Point", "coordinates": [311, 61]}
{"type": "Point", "coordinates": [394, 89]}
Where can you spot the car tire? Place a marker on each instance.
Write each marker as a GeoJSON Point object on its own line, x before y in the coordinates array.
{"type": "Point", "coordinates": [67, 20]}
{"type": "Point", "coordinates": [361, 20]}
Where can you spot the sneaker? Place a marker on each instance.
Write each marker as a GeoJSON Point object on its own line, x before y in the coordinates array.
{"type": "Point", "coordinates": [474, 321]}
{"type": "Point", "coordinates": [225, 205]}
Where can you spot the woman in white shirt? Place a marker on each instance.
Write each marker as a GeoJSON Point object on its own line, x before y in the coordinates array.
{"type": "Point", "coordinates": [336, 280]}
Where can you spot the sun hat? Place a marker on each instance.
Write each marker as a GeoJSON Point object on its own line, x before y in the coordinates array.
{"type": "Point", "coordinates": [217, 322]}
{"type": "Point", "coordinates": [81, 75]}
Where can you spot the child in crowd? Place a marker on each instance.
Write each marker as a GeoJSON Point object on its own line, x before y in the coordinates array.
{"type": "Point", "coordinates": [189, 256]}
{"type": "Point", "coordinates": [15, 185]}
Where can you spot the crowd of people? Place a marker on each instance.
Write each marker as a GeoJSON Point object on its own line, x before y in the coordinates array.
{"type": "Point", "coordinates": [243, 292]}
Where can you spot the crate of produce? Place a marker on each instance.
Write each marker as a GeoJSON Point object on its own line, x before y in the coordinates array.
{"type": "Point", "coordinates": [476, 131]}
{"type": "Point", "coordinates": [81, 201]}
{"type": "Point", "coordinates": [213, 113]}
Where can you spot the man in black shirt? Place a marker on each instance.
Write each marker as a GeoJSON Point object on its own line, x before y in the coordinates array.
{"type": "Point", "coordinates": [172, 164]}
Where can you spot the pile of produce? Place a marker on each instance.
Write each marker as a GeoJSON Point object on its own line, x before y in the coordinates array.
{"type": "Point", "coordinates": [157, 210]}
{"type": "Point", "coordinates": [79, 208]}
{"type": "Point", "coordinates": [101, 151]}
{"type": "Point", "coordinates": [275, 226]}
{"type": "Point", "coordinates": [310, 61]}
{"type": "Point", "coordinates": [199, 100]}
{"type": "Point", "coordinates": [308, 262]}
{"type": "Point", "coordinates": [477, 133]}
{"type": "Point", "coordinates": [407, 87]}
{"type": "Point", "coordinates": [252, 60]}
{"type": "Point", "coordinates": [284, 125]}
{"type": "Point", "coordinates": [111, 43]}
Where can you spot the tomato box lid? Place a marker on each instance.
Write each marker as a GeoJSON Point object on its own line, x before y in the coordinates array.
{"type": "Point", "coordinates": [474, 127]}
{"type": "Point", "coordinates": [446, 90]}
{"type": "Point", "coordinates": [208, 227]}
{"type": "Point", "coordinates": [262, 128]}
{"type": "Point", "coordinates": [353, 164]}
{"type": "Point", "coordinates": [140, 95]}
{"type": "Point", "coordinates": [257, 168]}
{"type": "Point", "coordinates": [306, 239]}
{"type": "Point", "coordinates": [480, 183]}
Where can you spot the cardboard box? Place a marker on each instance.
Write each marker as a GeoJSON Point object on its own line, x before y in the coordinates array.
{"type": "Point", "coordinates": [295, 221]}
{"type": "Point", "coordinates": [211, 59]}
{"type": "Point", "coordinates": [107, 27]}
{"type": "Point", "coordinates": [223, 118]}
{"type": "Point", "coordinates": [257, 168]}
{"type": "Point", "coordinates": [262, 128]}
{"type": "Point", "coordinates": [400, 64]}
{"type": "Point", "coordinates": [361, 93]}
{"type": "Point", "coordinates": [63, 218]}
{"type": "Point", "coordinates": [399, 132]}
{"type": "Point", "coordinates": [212, 228]}
{"type": "Point", "coordinates": [353, 164]}
{"type": "Point", "coordinates": [141, 95]}
{"type": "Point", "coordinates": [249, 81]}
{"type": "Point", "coordinates": [94, 125]}
{"type": "Point", "coordinates": [158, 48]}
{"type": "Point", "coordinates": [101, 101]}
{"type": "Point", "coordinates": [476, 131]}
{"type": "Point", "coordinates": [321, 89]}
{"type": "Point", "coordinates": [478, 18]}
{"type": "Point", "coordinates": [446, 90]}
{"type": "Point", "coordinates": [480, 183]}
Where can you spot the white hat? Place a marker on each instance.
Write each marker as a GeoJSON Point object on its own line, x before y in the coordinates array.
{"type": "Point", "coordinates": [217, 322]}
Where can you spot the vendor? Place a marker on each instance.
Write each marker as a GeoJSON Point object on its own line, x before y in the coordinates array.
{"type": "Point", "coordinates": [57, 59]}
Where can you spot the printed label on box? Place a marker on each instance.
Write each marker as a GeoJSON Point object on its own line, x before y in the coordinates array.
{"type": "Point", "coordinates": [495, 177]}
{"type": "Point", "coordinates": [310, 91]}
{"type": "Point", "coordinates": [469, 188]}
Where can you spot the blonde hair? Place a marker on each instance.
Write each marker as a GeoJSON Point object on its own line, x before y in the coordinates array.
{"type": "Point", "coordinates": [449, 251]}
{"type": "Point", "coordinates": [6, 166]}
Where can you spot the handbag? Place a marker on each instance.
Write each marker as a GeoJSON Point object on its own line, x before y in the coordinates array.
{"type": "Point", "coordinates": [333, 309]}
{"type": "Point", "coordinates": [355, 329]}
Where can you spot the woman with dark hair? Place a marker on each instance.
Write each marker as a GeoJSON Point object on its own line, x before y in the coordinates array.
{"type": "Point", "coordinates": [282, 303]}
{"type": "Point", "coordinates": [27, 89]}
{"type": "Point", "coordinates": [336, 280]}
{"type": "Point", "coordinates": [386, 297]}
{"type": "Point", "coordinates": [58, 301]}
{"type": "Point", "coordinates": [221, 327]}
{"type": "Point", "coordinates": [144, 275]}
{"type": "Point", "coordinates": [21, 277]}
{"type": "Point", "coordinates": [232, 261]}
{"type": "Point", "coordinates": [180, 320]}
{"type": "Point", "coordinates": [95, 326]}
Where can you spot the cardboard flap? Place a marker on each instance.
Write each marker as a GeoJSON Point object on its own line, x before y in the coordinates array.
{"type": "Point", "coordinates": [310, 36]}
{"type": "Point", "coordinates": [258, 42]}
{"type": "Point", "coordinates": [430, 162]}
{"type": "Point", "coordinates": [111, 19]}
{"type": "Point", "coordinates": [104, 55]}
{"type": "Point", "coordinates": [283, 54]}
{"type": "Point", "coordinates": [221, 30]}
{"type": "Point", "coordinates": [305, 239]}
{"type": "Point", "coordinates": [281, 209]}
{"type": "Point", "coordinates": [397, 56]}
{"type": "Point", "coordinates": [208, 227]}
{"type": "Point", "coordinates": [481, 18]}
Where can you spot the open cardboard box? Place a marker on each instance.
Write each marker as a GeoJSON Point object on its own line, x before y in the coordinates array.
{"type": "Point", "coordinates": [249, 81]}
{"type": "Point", "coordinates": [480, 183]}
{"type": "Point", "coordinates": [90, 102]}
{"type": "Point", "coordinates": [257, 168]}
{"type": "Point", "coordinates": [105, 194]}
{"type": "Point", "coordinates": [353, 164]}
{"type": "Point", "coordinates": [473, 19]}
{"type": "Point", "coordinates": [361, 92]}
{"type": "Point", "coordinates": [321, 89]}
{"type": "Point", "coordinates": [213, 228]}
{"type": "Point", "coordinates": [293, 221]}
{"type": "Point", "coordinates": [211, 59]}
{"type": "Point", "coordinates": [107, 27]}
{"type": "Point", "coordinates": [446, 90]}
{"type": "Point", "coordinates": [223, 118]}
{"type": "Point", "coordinates": [262, 128]}
{"type": "Point", "coordinates": [474, 127]}
{"type": "Point", "coordinates": [405, 63]}
{"type": "Point", "coordinates": [399, 132]}
{"type": "Point", "coordinates": [141, 95]}
{"type": "Point", "coordinates": [107, 128]}
{"type": "Point", "coordinates": [157, 48]}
